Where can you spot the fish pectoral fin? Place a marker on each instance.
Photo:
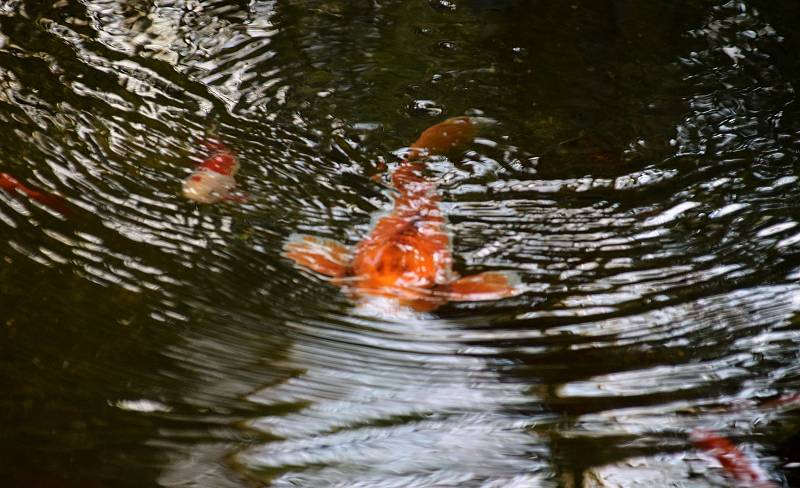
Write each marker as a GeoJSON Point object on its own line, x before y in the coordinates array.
{"type": "Point", "coordinates": [491, 285]}
{"type": "Point", "coordinates": [324, 256]}
{"type": "Point", "coordinates": [427, 303]}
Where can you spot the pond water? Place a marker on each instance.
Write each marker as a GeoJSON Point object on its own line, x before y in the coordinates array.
{"type": "Point", "coordinates": [639, 174]}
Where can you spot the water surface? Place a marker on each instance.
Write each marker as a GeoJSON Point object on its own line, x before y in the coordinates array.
{"type": "Point", "coordinates": [641, 176]}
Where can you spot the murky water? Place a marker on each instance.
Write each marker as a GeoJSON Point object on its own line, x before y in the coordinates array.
{"type": "Point", "coordinates": [640, 175]}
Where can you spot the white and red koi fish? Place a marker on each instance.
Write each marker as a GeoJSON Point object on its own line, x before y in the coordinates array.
{"type": "Point", "coordinates": [407, 257]}
{"type": "Point", "coordinates": [214, 179]}
{"type": "Point", "coordinates": [16, 187]}
{"type": "Point", "coordinates": [734, 462]}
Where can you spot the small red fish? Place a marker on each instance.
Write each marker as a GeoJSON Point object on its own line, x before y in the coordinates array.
{"type": "Point", "coordinates": [735, 463]}
{"type": "Point", "coordinates": [213, 180]}
{"type": "Point", "coordinates": [16, 187]}
{"type": "Point", "coordinates": [407, 257]}
{"type": "Point", "coordinates": [788, 400]}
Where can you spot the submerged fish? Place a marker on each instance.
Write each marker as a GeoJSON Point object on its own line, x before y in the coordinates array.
{"type": "Point", "coordinates": [214, 179]}
{"type": "Point", "coordinates": [407, 257]}
{"type": "Point", "coordinates": [733, 461]}
{"type": "Point", "coordinates": [16, 187]}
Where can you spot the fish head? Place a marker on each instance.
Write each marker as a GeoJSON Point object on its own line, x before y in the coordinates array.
{"type": "Point", "coordinates": [398, 310]}
{"type": "Point", "coordinates": [222, 162]}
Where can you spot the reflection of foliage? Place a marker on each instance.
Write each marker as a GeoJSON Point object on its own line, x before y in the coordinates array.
{"type": "Point", "coordinates": [545, 127]}
{"type": "Point", "coordinates": [104, 99]}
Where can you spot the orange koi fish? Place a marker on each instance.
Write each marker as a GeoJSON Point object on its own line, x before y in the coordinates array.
{"type": "Point", "coordinates": [407, 257]}
{"type": "Point", "coordinates": [734, 462]}
{"type": "Point", "coordinates": [213, 180]}
{"type": "Point", "coordinates": [16, 187]}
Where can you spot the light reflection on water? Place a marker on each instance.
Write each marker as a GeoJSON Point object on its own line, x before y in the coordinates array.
{"type": "Point", "coordinates": [375, 421]}
{"type": "Point", "coordinates": [639, 175]}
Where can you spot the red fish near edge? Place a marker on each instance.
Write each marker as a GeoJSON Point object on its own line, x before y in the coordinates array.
{"type": "Point", "coordinates": [735, 463]}
{"type": "Point", "coordinates": [407, 257]}
{"type": "Point", "coordinates": [14, 186]}
{"type": "Point", "coordinates": [213, 180]}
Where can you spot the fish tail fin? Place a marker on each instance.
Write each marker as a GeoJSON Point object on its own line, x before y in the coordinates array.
{"type": "Point", "coordinates": [440, 139]}
{"type": "Point", "coordinates": [444, 137]}
{"type": "Point", "coordinates": [490, 285]}
{"type": "Point", "coordinates": [324, 256]}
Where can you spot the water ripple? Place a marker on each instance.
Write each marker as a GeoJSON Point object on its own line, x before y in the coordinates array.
{"type": "Point", "coordinates": [636, 171]}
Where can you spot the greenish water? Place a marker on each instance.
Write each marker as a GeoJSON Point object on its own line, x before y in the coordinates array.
{"type": "Point", "coordinates": [640, 175]}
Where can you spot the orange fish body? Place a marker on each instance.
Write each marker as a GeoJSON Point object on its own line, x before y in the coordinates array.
{"type": "Point", "coordinates": [214, 179]}
{"type": "Point", "coordinates": [13, 185]}
{"type": "Point", "coordinates": [407, 256]}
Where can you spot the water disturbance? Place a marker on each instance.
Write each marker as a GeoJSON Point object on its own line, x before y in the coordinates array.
{"type": "Point", "coordinates": [635, 171]}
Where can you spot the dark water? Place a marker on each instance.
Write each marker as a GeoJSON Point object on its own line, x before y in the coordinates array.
{"type": "Point", "coordinates": [641, 176]}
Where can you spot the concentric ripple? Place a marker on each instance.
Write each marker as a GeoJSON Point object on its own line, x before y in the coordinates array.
{"type": "Point", "coordinates": [636, 168]}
